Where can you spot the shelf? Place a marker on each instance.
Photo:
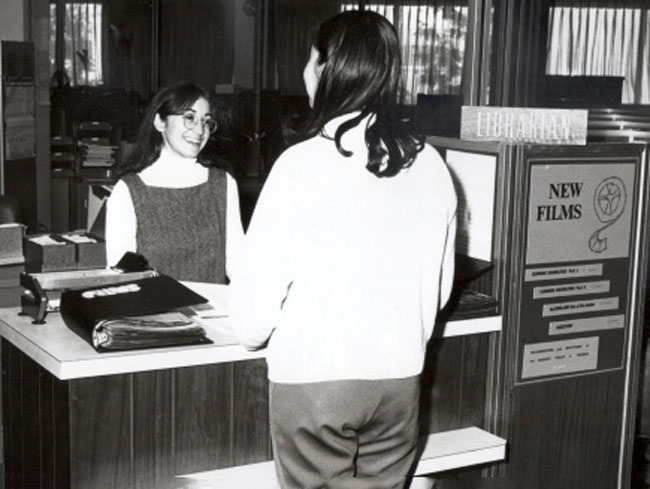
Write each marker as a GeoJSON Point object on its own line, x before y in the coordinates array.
{"type": "Point", "coordinates": [447, 450]}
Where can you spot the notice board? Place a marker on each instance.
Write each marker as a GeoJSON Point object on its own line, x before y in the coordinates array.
{"type": "Point", "coordinates": [576, 277]}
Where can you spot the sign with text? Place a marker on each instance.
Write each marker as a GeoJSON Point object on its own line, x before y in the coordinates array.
{"type": "Point", "coordinates": [524, 125]}
{"type": "Point", "coordinates": [576, 278]}
{"type": "Point", "coordinates": [587, 208]}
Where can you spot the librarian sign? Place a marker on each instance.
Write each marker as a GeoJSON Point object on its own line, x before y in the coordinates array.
{"type": "Point", "coordinates": [523, 125]}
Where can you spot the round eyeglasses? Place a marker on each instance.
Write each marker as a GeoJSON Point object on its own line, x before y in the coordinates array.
{"type": "Point", "coordinates": [191, 120]}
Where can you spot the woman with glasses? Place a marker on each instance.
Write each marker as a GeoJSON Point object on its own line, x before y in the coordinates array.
{"type": "Point", "coordinates": [170, 205]}
{"type": "Point", "coordinates": [349, 254]}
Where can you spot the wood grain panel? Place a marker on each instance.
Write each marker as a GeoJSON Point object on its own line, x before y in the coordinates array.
{"type": "Point", "coordinates": [441, 385]}
{"type": "Point", "coordinates": [152, 421]}
{"type": "Point", "coordinates": [34, 404]}
{"type": "Point", "coordinates": [202, 418]}
{"type": "Point", "coordinates": [101, 433]}
{"type": "Point", "coordinates": [454, 383]}
{"type": "Point", "coordinates": [30, 420]}
{"type": "Point", "coordinates": [46, 423]}
{"type": "Point", "coordinates": [473, 379]}
{"type": "Point", "coordinates": [12, 412]}
{"type": "Point", "coordinates": [61, 419]}
{"type": "Point", "coordinates": [251, 434]}
{"type": "Point", "coordinates": [562, 429]}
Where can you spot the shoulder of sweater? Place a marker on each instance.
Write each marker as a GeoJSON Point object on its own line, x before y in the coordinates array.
{"type": "Point", "coordinates": [293, 158]}
{"type": "Point", "coordinates": [120, 189]}
{"type": "Point", "coordinates": [313, 147]}
{"type": "Point", "coordinates": [431, 159]}
{"type": "Point", "coordinates": [120, 197]}
{"type": "Point", "coordinates": [429, 166]}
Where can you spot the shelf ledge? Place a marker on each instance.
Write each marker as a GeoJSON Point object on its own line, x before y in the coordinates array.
{"type": "Point", "coordinates": [442, 451]}
{"type": "Point", "coordinates": [463, 327]}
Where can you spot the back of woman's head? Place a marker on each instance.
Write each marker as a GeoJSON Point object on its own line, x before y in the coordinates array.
{"type": "Point", "coordinates": [359, 61]}
{"type": "Point", "coordinates": [360, 58]}
{"type": "Point", "coordinates": [172, 100]}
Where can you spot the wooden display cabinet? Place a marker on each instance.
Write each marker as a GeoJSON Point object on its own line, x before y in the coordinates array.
{"type": "Point", "coordinates": [570, 271]}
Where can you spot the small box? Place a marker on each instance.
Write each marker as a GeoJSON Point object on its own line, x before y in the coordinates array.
{"type": "Point", "coordinates": [10, 288]}
{"type": "Point", "coordinates": [10, 296]}
{"type": "Point", "coordinates": [10, 274]}
{"type": "Point", "coordinates": [49, 253]}
{"type": "Point", "coordinates": [90, 250]}
{"type": "Point", "coordinates": [11, 242]}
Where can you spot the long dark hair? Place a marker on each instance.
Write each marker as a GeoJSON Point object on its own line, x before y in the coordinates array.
{"type": "Point", "coordinates": [360, 58]}
{"type": "Point", "coordinates": [171, 100]}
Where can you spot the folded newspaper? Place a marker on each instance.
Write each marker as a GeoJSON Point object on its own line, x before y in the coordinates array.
{"type": "Point", "coordinates": [132, 315]}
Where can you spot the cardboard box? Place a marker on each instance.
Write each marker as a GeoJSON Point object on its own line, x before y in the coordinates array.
{"type": "Point", "coordinates": [11, 242]}
{"type": "Point", "coordinates": [10, 289]}
{"type": "Point", "coordinates": [49, 253]}
{"type": "Point", "coordinates": [10, 296]}
{"type": "Point", "coordinates": [90, 250]}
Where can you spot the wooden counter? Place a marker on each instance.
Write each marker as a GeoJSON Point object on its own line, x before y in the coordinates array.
{"type": "Point", "coordinates": [67, 356]}
{"type": "Point", "coordinates": [77, 419]}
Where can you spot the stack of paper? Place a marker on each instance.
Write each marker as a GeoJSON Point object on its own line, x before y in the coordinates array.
{"type": "Point", "coordinates": [97, 152]}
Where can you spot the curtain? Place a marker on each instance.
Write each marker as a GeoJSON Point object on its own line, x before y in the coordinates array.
{"type": "Point", "coordinates": [293, 26]}
{"type": "Point", "coordinates": [432, 36]}
{"type": "Point", "coordinates": [127, 60]}
{"type": "Point", "coordinates": [518, 52]}
{"type": "Point", "coordinates": [602, 41]}
{"type": "Point", "coordinates": [197, 41]}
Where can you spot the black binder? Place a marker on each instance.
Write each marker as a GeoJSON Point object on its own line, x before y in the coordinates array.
{"type": "Point", "coordinates": [134, 314]}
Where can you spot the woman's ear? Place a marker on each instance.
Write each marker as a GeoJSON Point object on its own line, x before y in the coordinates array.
{"type": "Point", "coordinates": [159, 123]}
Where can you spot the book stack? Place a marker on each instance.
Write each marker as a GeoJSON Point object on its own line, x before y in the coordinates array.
{"type": "Point", "coordinates": [467, 304]}
{"type": "Point", "coordinates": [97, 152]}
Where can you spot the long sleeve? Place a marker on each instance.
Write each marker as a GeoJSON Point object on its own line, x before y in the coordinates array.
{"type": "Point", "coordinates": [437, 269]}
{"type": "Point", "coordinates": [448, 261]}
{"type": "Point", "coordinates": [262, 278]}
{"type": "Point", "coordinates": [121, 224]}
{"type": "Point", "coordinates": [234, 228]}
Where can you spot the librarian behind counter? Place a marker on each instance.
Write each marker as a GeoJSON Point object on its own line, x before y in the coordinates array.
{"type": "Point", "coordinates": [171, 205]}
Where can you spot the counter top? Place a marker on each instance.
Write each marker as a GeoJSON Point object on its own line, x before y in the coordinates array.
{"type": "Point", "coordinates": [67, 356]}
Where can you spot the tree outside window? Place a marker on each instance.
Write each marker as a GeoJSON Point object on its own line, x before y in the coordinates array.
{"type": "Point", "coordinates": [81, 35]}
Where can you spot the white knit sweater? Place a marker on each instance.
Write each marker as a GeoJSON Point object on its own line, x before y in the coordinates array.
{"type": "Point", "coordinates": [343, 272]}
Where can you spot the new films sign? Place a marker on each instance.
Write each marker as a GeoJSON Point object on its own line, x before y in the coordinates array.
{"type": "Point", "coordinates": [575, 292]}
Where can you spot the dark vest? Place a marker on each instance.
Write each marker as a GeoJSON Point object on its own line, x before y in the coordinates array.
{"type": "Point", "coordinates": [182, 231]}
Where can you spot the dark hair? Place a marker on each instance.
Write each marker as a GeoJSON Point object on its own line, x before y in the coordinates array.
{"type": "Point", "coordinates": [360, 58]}
{"type": "Point", "coordinates": [171, 100]}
